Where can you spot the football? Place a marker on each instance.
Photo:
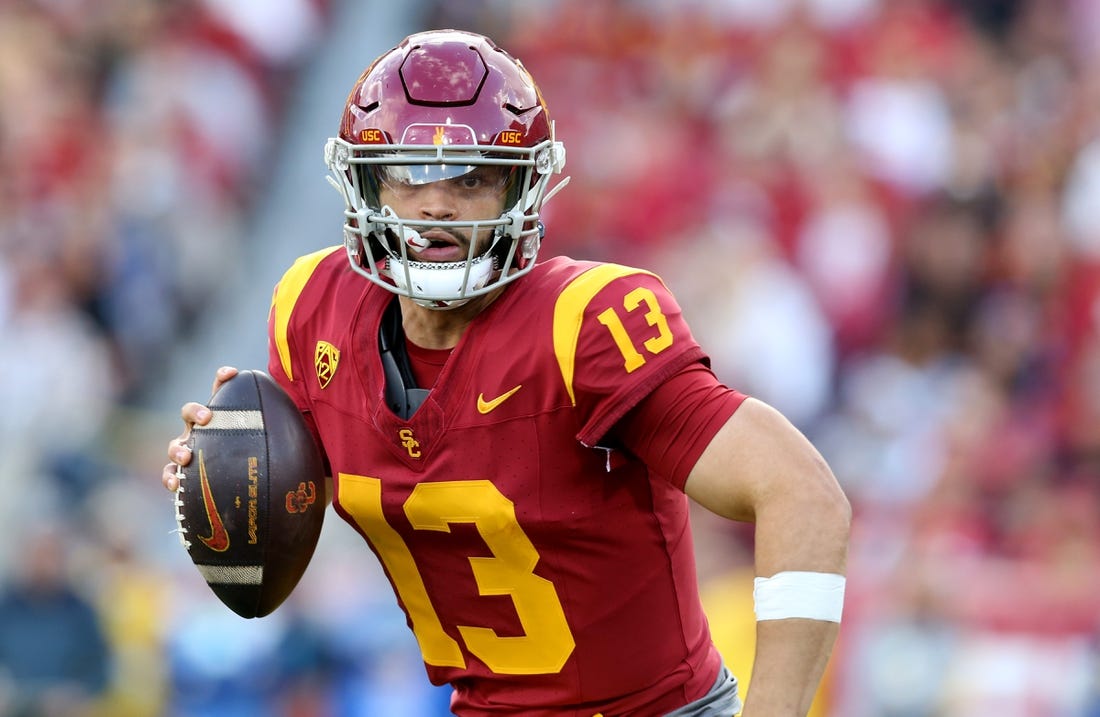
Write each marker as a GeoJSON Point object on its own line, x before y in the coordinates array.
{"type": "Point", "coordinates": [251, 502]}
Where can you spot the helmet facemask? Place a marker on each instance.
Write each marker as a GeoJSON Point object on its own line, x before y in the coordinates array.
{"type": "Point", "coordinates": [378, 241]}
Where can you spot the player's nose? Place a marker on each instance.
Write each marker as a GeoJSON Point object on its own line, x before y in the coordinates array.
{"type": "Point", "coordinates": [437, 202]}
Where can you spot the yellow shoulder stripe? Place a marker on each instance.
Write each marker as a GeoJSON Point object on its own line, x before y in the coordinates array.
{"type": "Point", "coordinates": [286, 296]}
{"type": "Point", "coordinates": [569, 314]}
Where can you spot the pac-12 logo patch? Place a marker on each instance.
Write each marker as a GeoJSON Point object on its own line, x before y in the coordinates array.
{"type": "Point", "coordinates": [325, 359]}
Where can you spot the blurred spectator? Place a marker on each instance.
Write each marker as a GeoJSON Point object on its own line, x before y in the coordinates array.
{"type": "Point", "coordinates": [54, 658]}
{"type": "Point", "coordinates": [757, 315]}
{"type": "Point", "coordinates": [135, 139]}
{"type": "Point", "coordinates": [897, 116]}
{"type": "Point", "coordinates": [1081, 204]}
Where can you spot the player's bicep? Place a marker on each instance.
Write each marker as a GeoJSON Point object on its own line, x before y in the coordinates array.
{"type": "Point", "coordinates": [755, 459]}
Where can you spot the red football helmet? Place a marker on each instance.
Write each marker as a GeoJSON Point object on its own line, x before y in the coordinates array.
{"type": "Point", "coordinates": [441, 105]}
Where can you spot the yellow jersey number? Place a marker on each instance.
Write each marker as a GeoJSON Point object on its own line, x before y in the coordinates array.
{"type": "Point", "coordinates": [547, 641]}
{"type": "Point", "coordinates": [609, 317]}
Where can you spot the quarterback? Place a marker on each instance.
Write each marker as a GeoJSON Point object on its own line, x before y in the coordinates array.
{"type": "Point", "coordinates": [517, 438]}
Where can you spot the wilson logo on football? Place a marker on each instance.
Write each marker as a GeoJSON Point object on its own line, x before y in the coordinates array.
{"type": "Point", "coordinates": [325, 359]}
{"type": "Point", "coordinates": [253, 500]}
{"type": "Point", "coordinates": [298, 501]}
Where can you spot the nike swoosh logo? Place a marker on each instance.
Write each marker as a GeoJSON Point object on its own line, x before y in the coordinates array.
{"type": "Point", "coordinates": [484, 406]}
{"type": "Point", "coordinates": [219, 536]}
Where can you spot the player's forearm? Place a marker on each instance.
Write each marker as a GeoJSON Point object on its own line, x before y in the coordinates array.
{"type": "Point", "coordinates": [758, 467]}
{"type": "Point", "coordinates": [805, 529]}
{"type": "Point", "coordinates": [802, 537]}
{"type": "Point", "coordinates": [791, 656]}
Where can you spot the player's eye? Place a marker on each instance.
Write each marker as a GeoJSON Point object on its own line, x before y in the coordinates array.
{"type": "Point", "coordinates": [482, 179]}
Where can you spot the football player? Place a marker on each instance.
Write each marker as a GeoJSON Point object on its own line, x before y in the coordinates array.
{"type": "Point", "coordinates": [517, 438]}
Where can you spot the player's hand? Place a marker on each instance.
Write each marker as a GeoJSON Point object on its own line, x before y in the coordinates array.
{"type": "Point", "coordinates": [192, 414]}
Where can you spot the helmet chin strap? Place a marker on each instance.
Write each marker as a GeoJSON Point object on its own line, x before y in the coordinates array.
{"type": "Point", "coordinates": [421, 280]}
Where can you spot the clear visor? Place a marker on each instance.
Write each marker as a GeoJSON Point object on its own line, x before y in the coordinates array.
{"type": "Point", "coordinates": [466, 182]}
{"type": "Point", "coordinates": [415, 175]}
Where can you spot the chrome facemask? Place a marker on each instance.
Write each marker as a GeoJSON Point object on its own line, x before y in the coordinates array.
{"type": "Point", "coordinates": [378, 241]}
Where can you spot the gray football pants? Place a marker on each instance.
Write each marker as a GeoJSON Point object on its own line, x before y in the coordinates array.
{"type": "Point", "coordinates": [721, 701]}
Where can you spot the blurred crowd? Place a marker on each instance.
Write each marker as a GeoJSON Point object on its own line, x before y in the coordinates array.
{"type": "Point", "coordinates": [131, 139]}
{"type": "Point", "coordinates": [882, 216]}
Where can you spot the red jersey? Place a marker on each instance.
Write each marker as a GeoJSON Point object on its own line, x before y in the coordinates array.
{"type": "Point", "coordinates": [540, 574]}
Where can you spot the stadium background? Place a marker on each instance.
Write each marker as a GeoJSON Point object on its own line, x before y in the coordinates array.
{"type": "Point", "coordinates": [883, 216]}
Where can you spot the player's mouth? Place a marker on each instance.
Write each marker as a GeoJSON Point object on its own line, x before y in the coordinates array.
{"type": "Point", "coordinates": [442, 247]}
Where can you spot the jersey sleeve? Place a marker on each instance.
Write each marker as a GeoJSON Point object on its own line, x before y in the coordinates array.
{"type": "Point", "coordinates": [674, 424]}
{"type": "Point", "coordinates": [618, 334]}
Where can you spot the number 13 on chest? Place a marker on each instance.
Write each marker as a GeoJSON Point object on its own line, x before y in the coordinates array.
{"type": "Point", "coordinates": [546, 642]}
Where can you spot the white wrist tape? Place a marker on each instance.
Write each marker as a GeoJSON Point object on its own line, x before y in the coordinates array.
{"type": "Point", "coordinates": [813, 596]}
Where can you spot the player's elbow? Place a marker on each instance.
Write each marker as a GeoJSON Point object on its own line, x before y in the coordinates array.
{"type": "Point", "coordinates": [825, 492]}
{"type": "Point", "coordinates": [817, 514]}
{"type": "Point", "coordinates": [831, 507]}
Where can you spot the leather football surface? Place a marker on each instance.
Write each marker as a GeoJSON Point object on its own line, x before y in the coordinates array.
{"type": "Point", "coordinates": [251, 502]}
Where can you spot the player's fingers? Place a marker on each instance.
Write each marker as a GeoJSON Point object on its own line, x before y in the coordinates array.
{"type": "Point", "coordinates": [170, 477]}
{"type": "Point", "coordinates": [222, 375]}
{"type": "Point", "coordinates": [194, 413]}
{"type": "Point", "coordinates": [178, 452]}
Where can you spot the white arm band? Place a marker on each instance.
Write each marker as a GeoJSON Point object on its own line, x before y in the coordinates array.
{"type": "Point", "coordinates": [813, 596]}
